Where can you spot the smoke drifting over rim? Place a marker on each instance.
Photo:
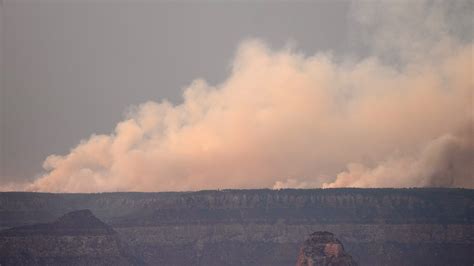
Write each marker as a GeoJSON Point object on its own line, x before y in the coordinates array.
{"type": "Point", "coordinates": [284, 119]}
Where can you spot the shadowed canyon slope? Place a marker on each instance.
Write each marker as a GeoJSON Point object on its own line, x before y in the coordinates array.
{"type": "Point", "coordinates": [268, 227]}
{"type": "Point", "coordinates": [76, 238]}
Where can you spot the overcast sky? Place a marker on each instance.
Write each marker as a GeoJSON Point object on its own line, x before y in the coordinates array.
{"type": "Point", "coordinates": [71, 68]}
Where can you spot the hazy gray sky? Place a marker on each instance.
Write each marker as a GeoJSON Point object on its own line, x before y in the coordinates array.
{"type": "Point", "coordinates": [71, 68]}
{"type": "Point", "coordinates": [262, 94]}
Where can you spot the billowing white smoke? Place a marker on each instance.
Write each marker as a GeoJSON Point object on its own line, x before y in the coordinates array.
{"type": "Point", "coordinates": [282, 119]}
{"type": "Point", "coordinates": [445, 162]}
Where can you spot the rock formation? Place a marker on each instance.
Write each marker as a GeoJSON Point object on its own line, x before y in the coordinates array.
{"type": "Point", "coordinates": [392, 227]}
{"type": "Point", "coordinates": [323, 249]}
{"type": "Point", "coordinates": [76, 238]}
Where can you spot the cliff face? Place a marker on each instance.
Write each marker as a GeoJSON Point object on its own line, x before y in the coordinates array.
{"type": "Point", "coordinates": [265, 227]}
{"type": "Point", "coordinates": [318, 206]}
{"type": "Point", "coordinates": [77, 238]}
{"type": "Point", "coordinates": [323, 249]}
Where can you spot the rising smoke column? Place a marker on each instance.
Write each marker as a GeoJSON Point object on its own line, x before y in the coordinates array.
{"type": "Point", "coordinates": [282, 116]}
{"type": "Point", "coordinates": [401, 117]}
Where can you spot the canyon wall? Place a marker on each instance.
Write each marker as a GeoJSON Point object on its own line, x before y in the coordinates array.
{"type": "Point", "coordinates": [76, 238]}
{"type": "Point", "coordinates": [267, 227]}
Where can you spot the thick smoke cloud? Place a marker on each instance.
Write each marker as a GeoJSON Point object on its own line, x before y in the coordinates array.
{"type": "Point", "coordinates": [445, 162]}
{"type": "Point", "coordinates": [283, 119]}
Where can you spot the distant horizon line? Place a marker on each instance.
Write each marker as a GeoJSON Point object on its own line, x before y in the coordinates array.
{"type": "Point", "coordinates": [246, 189]}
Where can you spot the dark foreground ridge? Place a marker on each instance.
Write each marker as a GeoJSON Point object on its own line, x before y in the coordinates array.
{"type": "Point", "coordinates": [76, 238]}
{"type": "Point", "coordinates": [249, 227]}
{"type": "Point", "coordinates": [323, 249]}
{"type": "Point", "coordinates": [81, 222]}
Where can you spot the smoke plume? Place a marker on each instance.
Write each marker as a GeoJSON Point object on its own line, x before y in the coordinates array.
{"type": "Point", "coordinates": [285, 119]}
